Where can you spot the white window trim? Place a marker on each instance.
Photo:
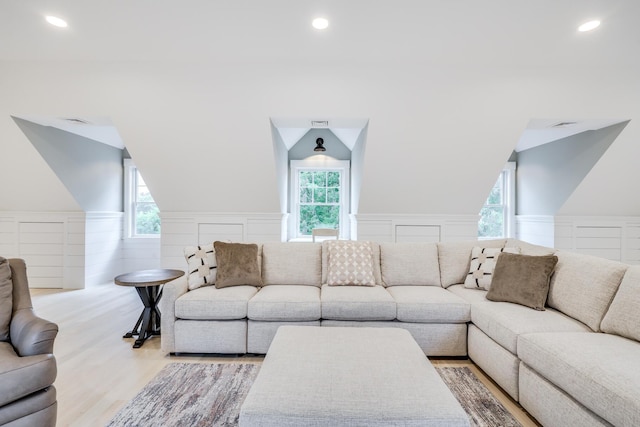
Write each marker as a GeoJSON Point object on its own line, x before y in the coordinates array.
{"type": "Point", "coordinates": [315, 163]}
{"type": "Point", "coordinates": [129, 203]}
{"type": "Point", "coordinates": [509, 193]}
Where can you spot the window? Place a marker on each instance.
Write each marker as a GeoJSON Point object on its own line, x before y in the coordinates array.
{"type": "Point", "coordinates": [497, 217]}
{"type": "Point", "coordinates": [319, 200]}
{"type": "Point", "coordinates": [320, 196]}
{"type": "Point", "coordinates": [141, 212]}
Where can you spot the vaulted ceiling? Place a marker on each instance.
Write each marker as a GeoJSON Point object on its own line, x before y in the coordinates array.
{"type": "Point", "coordinates": [541, 33]}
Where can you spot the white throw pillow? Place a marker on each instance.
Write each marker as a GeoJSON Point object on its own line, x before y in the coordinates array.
{"type": "Point", "coordinates": [202, 265]}
{"type": "Point", "coordinates": [483, 261]}
{"type": "Point", "coordinates": [350, 263]}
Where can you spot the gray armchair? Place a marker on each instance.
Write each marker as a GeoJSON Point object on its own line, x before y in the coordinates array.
{"type": "Point", "coordinates": [27, 365]}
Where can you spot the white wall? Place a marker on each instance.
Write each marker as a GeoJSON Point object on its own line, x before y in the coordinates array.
{"type": "Point", "coordinates": [200, 133]}
{"type": "Point", "coordinates": [91, 171]}
{"type": "Point", "coordinates": [548, 174]}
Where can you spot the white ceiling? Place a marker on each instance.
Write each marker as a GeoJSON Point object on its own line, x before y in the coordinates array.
{"type": "Point", "coordinates": [487, 33]}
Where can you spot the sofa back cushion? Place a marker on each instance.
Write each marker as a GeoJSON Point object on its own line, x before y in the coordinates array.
{"type": "Point", "coordinates": [375, 249]}
{"type": "Point", "coordinates": [454, 259]}
{"type": "Point", "coordinates": [527, 248]}
{"type": "Point", "coordinates": [410, 264]}
{"type": "Point", "coordinates": [292, 263]}
{"type": "Point", "coordinates": [623, 316]}
{"type": "Point", "coordinates": [6, 298]}
{"type": "Point", "coordinates": [583, 286]}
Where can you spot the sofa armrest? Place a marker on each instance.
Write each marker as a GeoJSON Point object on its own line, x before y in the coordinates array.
{"type": "Point", "coordinates": [31, 335]}
{"type": "Point", "coordinates": [170, 293]}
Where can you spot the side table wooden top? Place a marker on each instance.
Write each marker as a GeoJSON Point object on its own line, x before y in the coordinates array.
{"type": "Point", "coordinates": [153, 277]}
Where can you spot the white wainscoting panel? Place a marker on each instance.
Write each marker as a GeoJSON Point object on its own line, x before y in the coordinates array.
{"type": "Point", "coordinates": [67, 250]}
{"type": "Point", "coordinates": [140, 253]}
{"type": "Point", "coordinates": [51, 243]}
{"type": "Point", "coordinates": [416, 228]}
{"type": "Point", "coordinates": [41, 245]}
{"type": "Point", "coordinates": [536, 229]}
{"type": "Point", "coordinates": [615, 238]}
{"type": "Point", "coordinates": [103, 247]}
{"type": "Point", "coordinates": [417, 233]}
{"type": "Point", "coordinates": [181, 229]}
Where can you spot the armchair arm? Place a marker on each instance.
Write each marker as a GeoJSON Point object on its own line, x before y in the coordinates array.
{"type": "Point", "coordinates": [31, 335]}
{"type": "Point", "coordinates": [170, 293]}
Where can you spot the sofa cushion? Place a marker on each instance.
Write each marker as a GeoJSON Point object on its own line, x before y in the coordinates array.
{"type": "Point", "coordinates": [600, 371]}
{"type": "Point", "coordinates": [211, 303]}
{"type": "Point", "coordinates": [583, 286]}
{"type": "Point", "coordinates": [429, 304]}
{"type": "Point", "coordinates": [454, 259]}
{"type": "Point", "coordinates": [482, 264]}
{"type": "Point", "coordinates": [237, 264]}
{"type": "Point", "coordinates": [21, 376]}
{"type": "Point", "coordinates": [277, 303]}
{"type": "Point", "coordinates": [375, 249]}
{"type": "Point", "coordinates": [350, 263]}
{"type": "Point", "coordinates": [291, 263]}
{"type": "Point", "coordinates": [527, 248]}
{"type": "Point", "coordinates": [6, 298]}
{"type": "Point", "coordinates": [470, 295]}
{"type": "Point", "coordinates": [409, 264]}
{"type": "Point", "coordinates": [522, 279]}
{"type": "Point", "coordinates": [623, 316]}
{"type": "Point", "coordinates": [201, 262]}
{"type": "Point", "coordinates": [503, 322]}
{"type": "Point", "coordinates": [357, 303]}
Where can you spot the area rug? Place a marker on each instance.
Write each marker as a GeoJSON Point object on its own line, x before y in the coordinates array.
{"type": "Point", "coordinates": [198, 394]}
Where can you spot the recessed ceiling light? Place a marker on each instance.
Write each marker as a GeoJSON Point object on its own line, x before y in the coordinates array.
{"type": "Point", "coordinates": [55, 21]}
{"type": "Point", "coordinates": [320, 23]}
{"type": "Point", "coordinates": [588, 26]}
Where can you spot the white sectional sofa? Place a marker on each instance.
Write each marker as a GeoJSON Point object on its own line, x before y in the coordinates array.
{"type": "Point", "coordinates": [575, 363]}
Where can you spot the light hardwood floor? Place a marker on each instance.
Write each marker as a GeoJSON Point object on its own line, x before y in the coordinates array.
{"type": "Point", "coordinates": [99, 371]}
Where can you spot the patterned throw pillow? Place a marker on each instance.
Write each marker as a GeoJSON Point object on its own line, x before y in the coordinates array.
{"type": "Point", "coordinates": [483, 261]}
{"type": "Point", "coordinates": [202, 265]}
{"type": "Point", "coordinates": [350, 263]}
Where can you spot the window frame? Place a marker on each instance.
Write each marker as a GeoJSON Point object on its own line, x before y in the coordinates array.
{"type": "Point", "coordinates": [508, 176]}
{"type": "Point", "coordinates": [324, 165]}
{"type": "Point", "coordinates": [130, 202]}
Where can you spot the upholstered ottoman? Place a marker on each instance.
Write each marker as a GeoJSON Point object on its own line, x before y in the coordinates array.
{"type": "Point", "coordinates": [323, 376]}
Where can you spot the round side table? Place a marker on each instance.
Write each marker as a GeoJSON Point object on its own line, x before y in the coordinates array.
{"type": "Point", "coordinates": [148, 284]}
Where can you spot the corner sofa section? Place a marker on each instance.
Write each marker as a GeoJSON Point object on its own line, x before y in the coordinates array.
{"type": "Point", "coordinates": [575, 363]}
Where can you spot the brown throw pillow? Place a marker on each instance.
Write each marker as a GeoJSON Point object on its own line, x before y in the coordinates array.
{"type": "Point", "coordinates": [6, 298]}
{"type": "Point", "coordinates": [522, 279]}
{"type": "Point", "coordinates": [237, 264]}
